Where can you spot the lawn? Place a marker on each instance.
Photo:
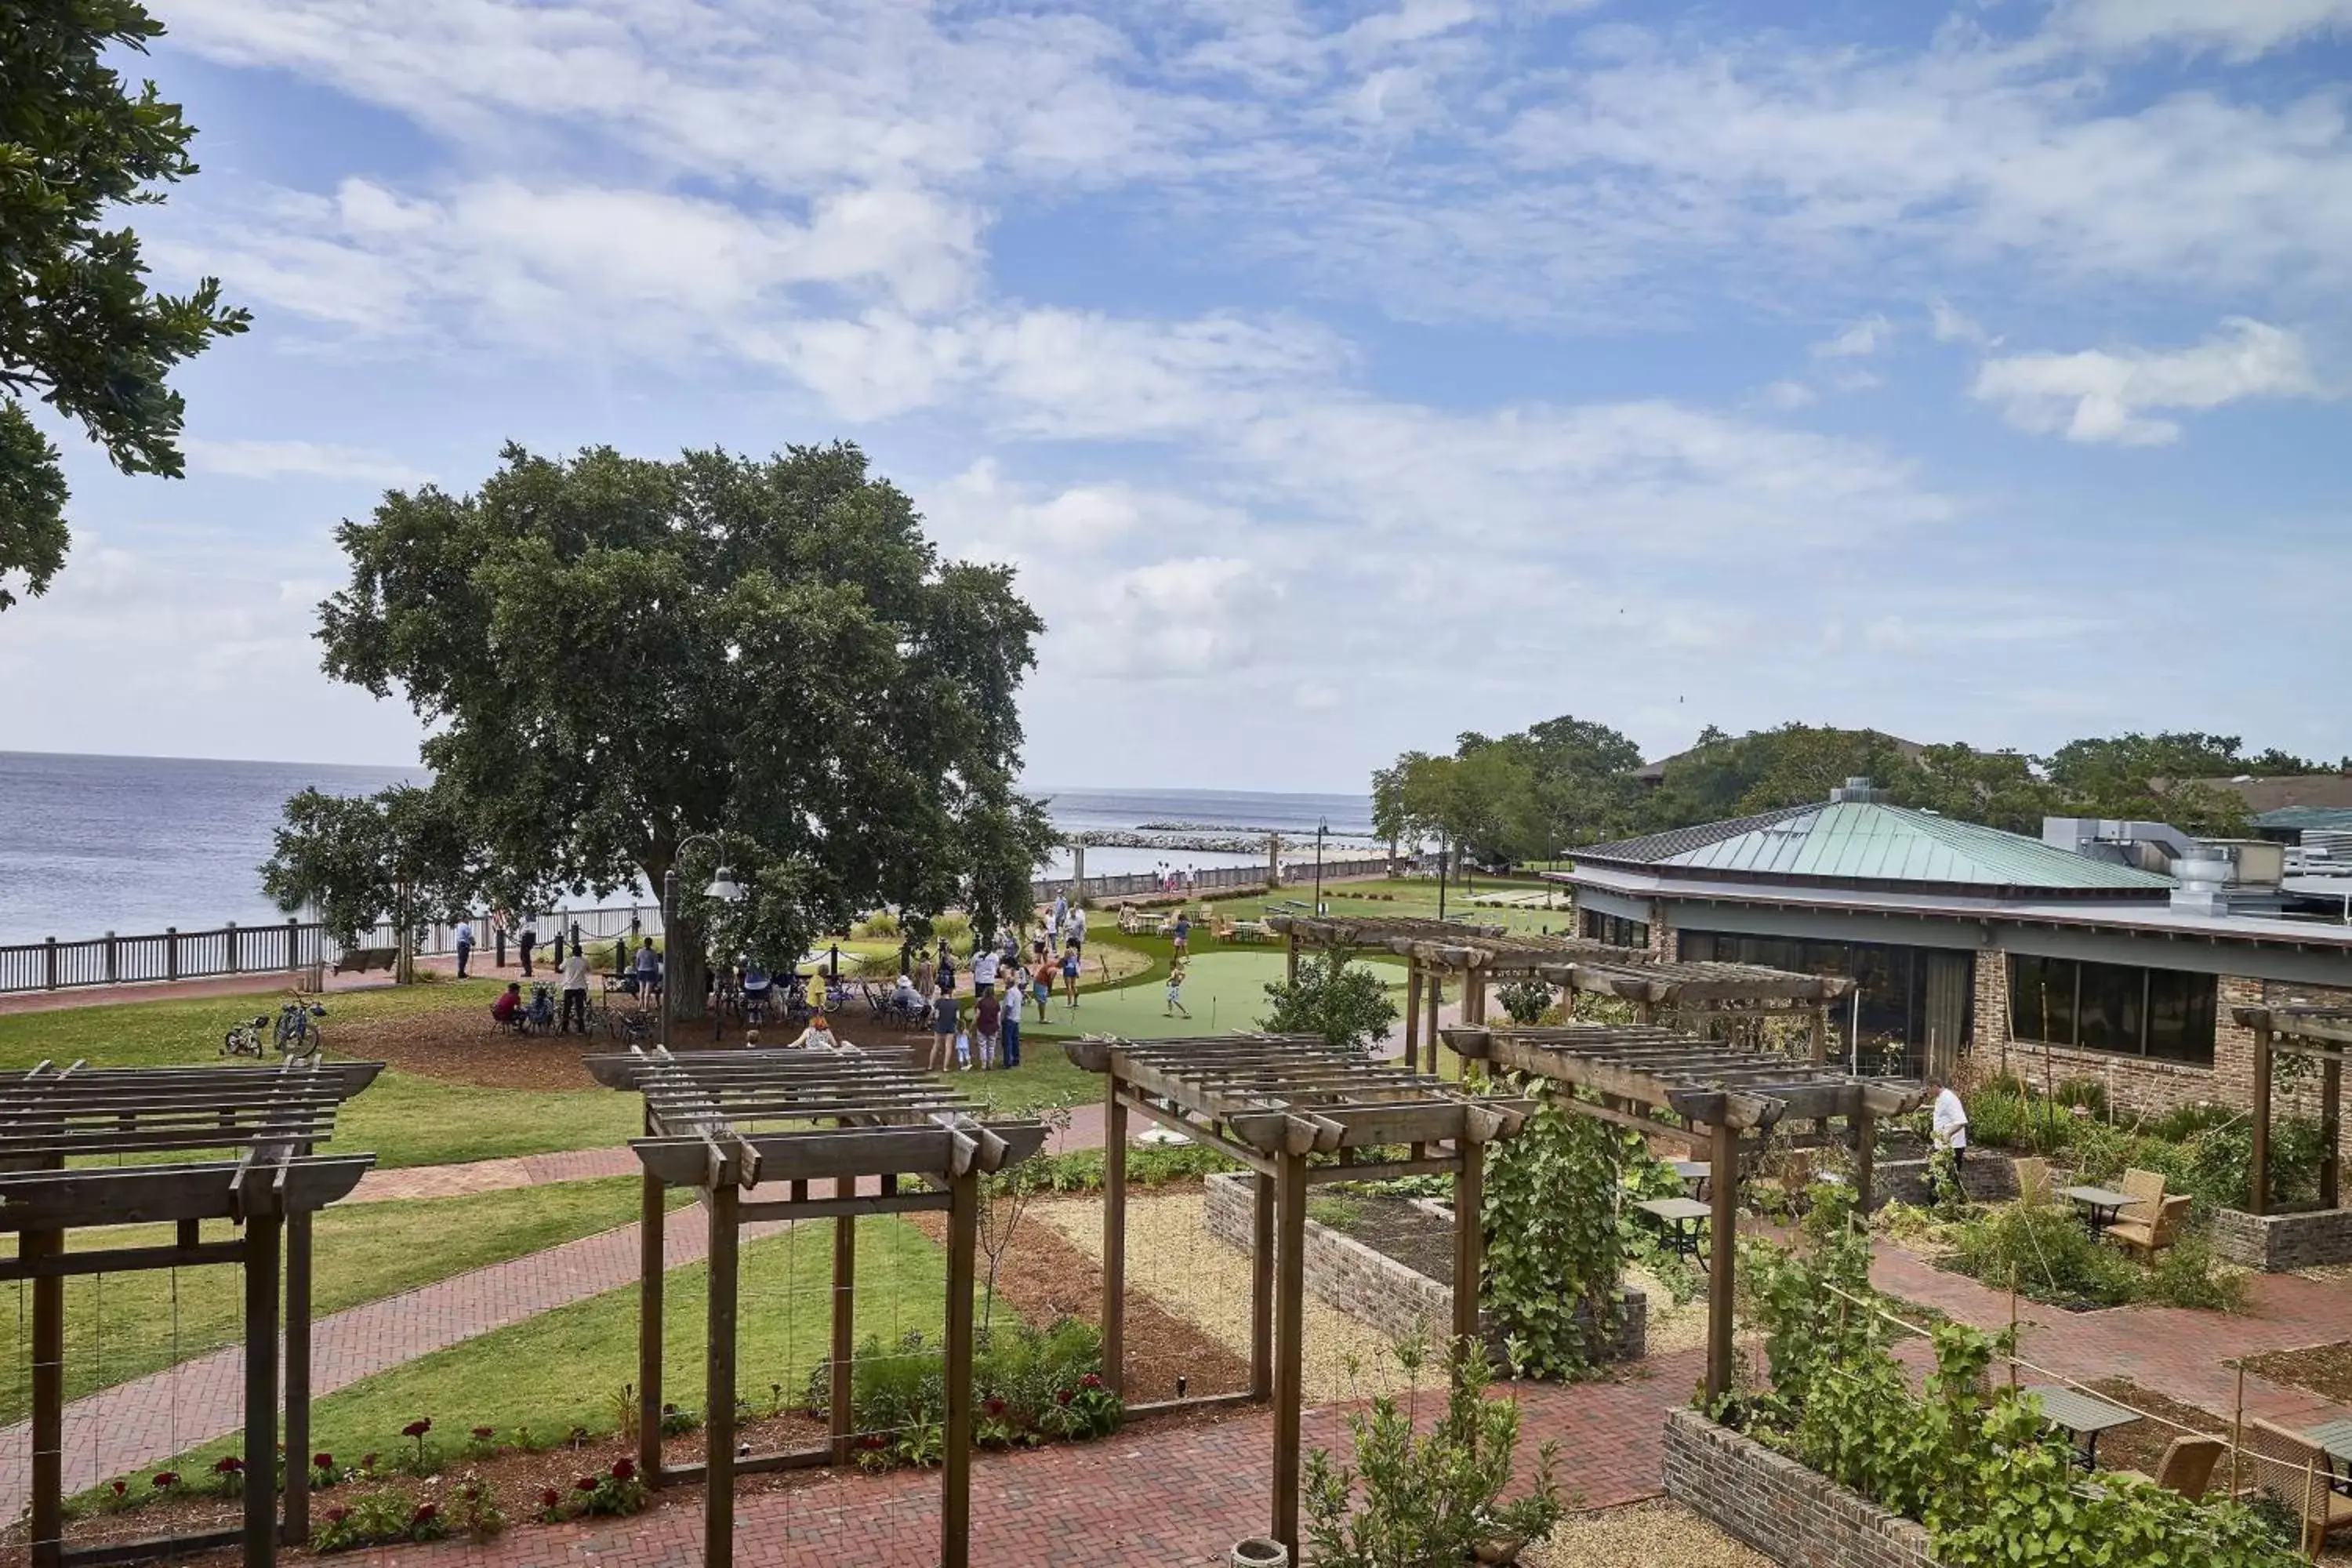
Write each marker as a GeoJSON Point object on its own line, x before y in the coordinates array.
{"type": "Point", "coordinates": [123, 1326]}
{"type": "Point", "coordinates": [568, 1367]}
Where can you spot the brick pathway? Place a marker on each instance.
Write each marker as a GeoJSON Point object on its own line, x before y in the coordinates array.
{"type": "Point", "coordinates": [493, 1175]}
{"type": "Point", "coordinates": [1181, 1496]}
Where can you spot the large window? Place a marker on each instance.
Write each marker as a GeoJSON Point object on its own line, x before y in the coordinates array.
{"type": "Point", "coordinates": [1913, 1001]}
{"type": "Point", "coordinates": [2118, 1008]}
{"type": "Point", "coordinates": [1614, 930]}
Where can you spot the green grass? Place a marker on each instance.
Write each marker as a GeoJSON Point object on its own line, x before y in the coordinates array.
{"type": "Point", "coordinates": [153, 1034]}
{"type": "Point", "coordinates": [121, 1326]}
{"type": "Point", "coordinates": [566, 1368]}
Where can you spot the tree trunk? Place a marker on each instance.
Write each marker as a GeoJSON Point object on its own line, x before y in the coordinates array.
{"type": "Point", "coordinates": [686, 971]}
{"type": "Point", "coordinates": [403, 941]}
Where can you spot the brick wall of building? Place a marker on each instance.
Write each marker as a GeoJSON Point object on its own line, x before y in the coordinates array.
{"type": "Point", "coordinates": [1665, 939]}
{"type": "Point", "coordinates": [1791, 1514]}
{"type": "Point", "coordinates": [1375, 1288]}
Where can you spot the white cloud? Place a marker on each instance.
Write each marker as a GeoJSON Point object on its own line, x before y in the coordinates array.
{"type": "Point", "coordinates": [1863, 338]}
{"type": "Point", "coordinates": [1951, 325]}
{"type": "Point", "coordinates": [277, 459]}
{"type": "Point", "coordinates": [2100, 395]}
{"type": "Point", "coordinates": [2239, 29]}
{"type": "Point", "coordinates": [1787, 395]}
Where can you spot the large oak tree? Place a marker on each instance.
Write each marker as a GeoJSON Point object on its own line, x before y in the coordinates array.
{"type": "Point", "coordinates": [613, 655]}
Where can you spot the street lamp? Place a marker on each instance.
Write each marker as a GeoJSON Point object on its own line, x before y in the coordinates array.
{"type": "Point", "coordinates": [1322, 826]}
{"type": "Point", "coordinates": [723, 887]}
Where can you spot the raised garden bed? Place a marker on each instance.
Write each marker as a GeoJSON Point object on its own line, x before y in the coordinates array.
{"type": "Point", "coordinates": [2280, 1243]}
{"type": "Point", "coordinates": [2326, 1370]}
{"type": "Point", "coordinates": [1791, 1513]}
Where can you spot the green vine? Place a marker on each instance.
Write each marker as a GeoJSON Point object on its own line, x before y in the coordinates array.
{"type": "Point", "coordinates": [1553, 1243]}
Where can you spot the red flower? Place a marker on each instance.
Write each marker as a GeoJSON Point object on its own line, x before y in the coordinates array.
{"type": "Point", "coordinates": [585, 1484]}
{"type": "Point", "coordinates": [549, 1498]}
{"type": "Point", "coordinates": [337, 1515]}
{"type": "Point", "coordinates": [623, 1470]}
{"type": "Point", "coordinates": [486, 1433]}
{"type": "Point", "coordinates": [166, 1480]}
{"type": "Point", "coordinates": [426, 1513]}
{"type": "Point", "coordinates": [1061, 1396]}
{"type": "Point", "coordinates": [367, 1461]}
{"type": "Point", "coordinates": [228, 1464]}
{"type": "Point", "coordinates": [993, 1404]}
{"type": "Point", "coordinates": [871, 1440]}
{"type": "Point", "coordinates": [121, 1487]}
{"type": "Point", "coordinates": [1090, 1381]}
{"type": "Point", "coordinates": [418, 1428]}
{"type": "Point", "coordinates": [322, 1462]}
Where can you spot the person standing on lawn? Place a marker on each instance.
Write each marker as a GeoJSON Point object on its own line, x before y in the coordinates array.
{"type": "Point", "coordinates": [947, 968]}
{"type": "Point", "coordinates": [1176, 1008]}
{"type": "Point", "coordinates": [527, 940]}
{"type": "Point", "coordinates": [1070, 973]}
{"type": "Point", "coordinates": [943, 1028]}
{"type": "Point", "coordinates": [575, 992]}
{"type": "Point", "coordinates": [1077, 928]}
{"type": "Point", "coordinates": [987, 1018]}
{"type": "Point", "coordinates": [465, 945]}
{"type": "Point", "coordinates": [983, 968]}
{"type": "Point", "coordinates": [1016, 991]}
{"type": "Point", "coordinates": [1183, 932]}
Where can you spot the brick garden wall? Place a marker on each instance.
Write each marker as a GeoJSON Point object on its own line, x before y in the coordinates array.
{"type": "Point", "coordinates": [1375, 1288]}
{"type": "Point", "coordinates": [1793, 1515]}
{"type": "Point", "coordinates": [2279, 1243]}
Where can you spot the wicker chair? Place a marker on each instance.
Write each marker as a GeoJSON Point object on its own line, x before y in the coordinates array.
{"type": "Point", "coordinates": [2294, 1470]}
{"type": "Point", "coordinates": [2033, 1188]}
{"type": "Point", "coordinates": [2188, 1466]}
{"type": "Point", "coordinates": [2144, 1193]}
{"type": "Point", "coordinates": [2149, 1239]}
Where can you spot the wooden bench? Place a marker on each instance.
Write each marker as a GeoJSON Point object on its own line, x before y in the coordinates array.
{"type": "Point", "coordinates": [360, 960]}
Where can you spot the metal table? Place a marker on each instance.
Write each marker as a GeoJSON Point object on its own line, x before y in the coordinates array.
{"type": "Point", "coordinates": [2335, 1438]}
{"type": "Point", "coordinates": [1681, 1219]}
{"type": "Point", "coordinates": [2100, 1205]}
{"type": "Point", "coordinates": [2086, 1416]}
{"type": "Point", "coordinates": [1694, 1172]}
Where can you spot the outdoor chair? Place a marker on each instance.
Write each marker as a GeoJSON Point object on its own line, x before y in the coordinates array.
{"type": "Point", "coordinates": [2150, 1239]}
{"type": "Point", "coordinates": [2144, 1195]}
{"type": "Point", "coordinates": [2294, 1470]}
{"type": "Point", "coordinates": [2033, 1188]}
{"type": "Point", "coordinates": [2187, 1466]}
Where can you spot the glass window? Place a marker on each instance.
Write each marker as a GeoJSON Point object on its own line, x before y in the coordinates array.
{"type": "Point", "coordinates": [2042, 998]}
{"type": "Point", "coordinates": [1614, 930]}
{"type": "Point", "coordinates": [2108, 1007]}
{"type": "Point", "coordinates": [2181, 1017]}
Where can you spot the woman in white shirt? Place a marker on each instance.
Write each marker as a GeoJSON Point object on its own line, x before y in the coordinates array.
{"type": "Point", "coordinates": [819, 1034]}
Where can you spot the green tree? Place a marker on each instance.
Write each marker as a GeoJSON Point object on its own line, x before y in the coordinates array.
{"type": "Point", "coordinates": [78, 327]}
{"type": "Point", "coordinates": [1999, 788]}
{"type": "Point", "coordinates": [614, 655]}
{"type": "Point", "coordinates": [2156, 778]}
{"type": "Point", "coordinates": [402, 854]}
{"type": "Point", "coordinates": [1346, 1004]}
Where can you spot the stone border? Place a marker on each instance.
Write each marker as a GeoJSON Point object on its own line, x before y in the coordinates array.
{"type": "Point", "coordinates": [1375, 1288]}
{"type": "Point", "coordinates": [1791, 1514]}
{"type": "Point", "coordinates": [2280, 1242]}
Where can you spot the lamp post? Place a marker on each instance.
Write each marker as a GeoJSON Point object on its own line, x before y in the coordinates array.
{"type": "Point", "coordinates": [1442, 848]}
{"type": "Point", "coordinates": [723, 887]}
{"type": "Point", "coordinates": [1322, 826]}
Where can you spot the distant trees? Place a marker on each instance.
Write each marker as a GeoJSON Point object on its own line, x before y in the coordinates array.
{"type": "Point", "coordinates": [403, 854]}
{"type": "Point", "coordinates": [78, 328]}
{"type": "Point", "coordinates": [1567, 782]}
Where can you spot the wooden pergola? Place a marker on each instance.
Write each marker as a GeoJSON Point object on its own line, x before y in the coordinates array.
{"type": "Point", "coordinates": [721, 1122]}
{"type": "Point", "coordinates": [237, 1144]}
{"type": "Point", "coordinates": [1295, 1110]}
{"type": "Point", "coordinates": [1706, 996]}
{"type": "Point", "coordinates": [1717, 1091]}
{"type": "Point", "coordinates": [2321, 1034]}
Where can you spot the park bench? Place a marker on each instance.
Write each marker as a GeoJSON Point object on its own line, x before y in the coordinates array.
{"type": "Point", "coordinates": [360, 960]}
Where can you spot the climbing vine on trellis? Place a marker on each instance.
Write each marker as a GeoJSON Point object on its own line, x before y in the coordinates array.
{"type": "Point", "coordinates": [1553, 1249]}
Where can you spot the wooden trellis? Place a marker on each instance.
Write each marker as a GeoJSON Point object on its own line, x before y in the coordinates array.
{"type": "Point", "coordinates": [1717, 1090]}
{"type": "Point", "coordinates": [259, 1127]}
{"type": "Point", "coordinates": [1295, 1110]}
{"type": "Point", "coordinates": [1704, 994]}
{"type": "Point", "coordinates": [2320, 1034]}
{"type": "Point", "coordinates": [720, 1124]}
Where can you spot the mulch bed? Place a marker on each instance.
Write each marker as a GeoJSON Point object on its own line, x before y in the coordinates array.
{"type": "Point", "coordinates": [2325, 1370]}
{"type": "Point", "coordinates": [2139, 1445]}
{"type": "Point", "coordinates": [1395, 1228]}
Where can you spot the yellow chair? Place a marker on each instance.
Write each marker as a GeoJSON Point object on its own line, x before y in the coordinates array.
{"type": "Point", "coordinates": [2187, 1466]}
{"type": "Point", "coordinates": [2144, 1194]}
{"type": "Point", "coordinates": [2033, 1187]}
{"type": "Point", "coordinates": [2294, 1470]}
{"type": "Point", "coordinates": [2150, 1239]}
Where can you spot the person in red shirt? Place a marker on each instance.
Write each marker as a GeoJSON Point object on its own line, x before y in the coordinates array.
{"type": "Point", "coordinates": [508, 1009]}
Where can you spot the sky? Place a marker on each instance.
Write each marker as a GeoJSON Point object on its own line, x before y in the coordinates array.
{"type": "Point", "coordinates": [1338, 376]}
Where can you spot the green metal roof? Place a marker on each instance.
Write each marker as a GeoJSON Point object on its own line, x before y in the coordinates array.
{"type": "Point", "coordinates": [1873, 842]}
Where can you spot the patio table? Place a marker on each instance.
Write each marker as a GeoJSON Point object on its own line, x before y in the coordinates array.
{"type": "Point", "coordinates": [1694, 1172]}
{"type": "Point", "coordinates": [2100, 1205]}
{"type": "Point", "coordinates": [2335, 1439]}
{"type": "Point", "coordinates": [1681, 1219]}
{"type": "Point", "coordinates": [2084, 1415]}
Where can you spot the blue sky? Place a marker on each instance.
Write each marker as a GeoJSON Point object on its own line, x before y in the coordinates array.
{"type": "Point", "coordinates": [1340, 377]}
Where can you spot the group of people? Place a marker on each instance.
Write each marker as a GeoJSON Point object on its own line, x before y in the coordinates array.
{"type": "Point", "coordinates": [543, 1011]}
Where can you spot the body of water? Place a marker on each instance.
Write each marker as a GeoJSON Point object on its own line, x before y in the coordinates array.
{"type": "Point", "coordinates": [89, 845]}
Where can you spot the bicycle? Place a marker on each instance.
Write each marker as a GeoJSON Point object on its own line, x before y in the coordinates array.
{"type": "Point", "coordinates": [297, 1033]}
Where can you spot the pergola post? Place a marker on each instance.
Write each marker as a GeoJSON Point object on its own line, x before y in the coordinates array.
{"type": "Point", "coordinates": [1723, 1180]}
{"type": "Point", "coordinates": [48, 1521]}
{"type": "Point", "coordinates": [839, 1422]}
{"type": "Point", "coordinates": [955, 1485]}
{"type": "Point", "coordinates": [719, 1379]}
{"type": "Point", "coordinates": [2331, 1107]}
{"type": "Point", "coordinates": [1435, 989]}
{"type": "Point", "coordinates": [1469, 1206]}
{"type": "Point", "coordinates": [1820, 1040]}
{"type": "Point", "coordinates": [652, 1209]}
{"type": "Point", "coordinates": [1865, 1135]}
{"type": "Point", "coordinates": [296, 1529]}
{"type": "Point", "coordinates": [1413, 982]}
{"type": "Point", "coordinates": [262, 1235]}
{"type": "Point", "coordinates": [1261, 1286]}
{"type": "Point", "coordinates": [1113, 1267]}
{"type": "Point", "coordinates": [2260, 1198]}
{"type": "Point", "coordinates": [1289, 1322]}
{"type": "Point", "coordinates": [1290, 959]}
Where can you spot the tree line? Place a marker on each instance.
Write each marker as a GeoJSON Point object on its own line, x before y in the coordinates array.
{"type": "Point", "coordinates": [1538, 792]}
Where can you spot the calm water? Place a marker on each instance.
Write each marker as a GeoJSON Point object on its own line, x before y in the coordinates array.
{"type": "Point", "coordinates": [89, 845]}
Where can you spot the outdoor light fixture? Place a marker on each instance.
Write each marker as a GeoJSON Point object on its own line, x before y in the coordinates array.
{"type": "Point", "coordinates": [724, 886]}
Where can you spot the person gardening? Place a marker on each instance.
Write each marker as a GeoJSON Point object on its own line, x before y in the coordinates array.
{"type": "Point", "coordinates": [1948, 1126]}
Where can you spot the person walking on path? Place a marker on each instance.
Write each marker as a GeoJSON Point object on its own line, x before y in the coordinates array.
{"type": "Point", "coordinates": [575, 992]}
{"type": "Point", "coordinates": [465, 945]}
{"type": "Point", "coordinates": [947, 968]}
{"type": "Point", "coordinates": [987, 1018]}
{"type": "Point", "coordinates": [1176, 1008]}
{"type": "Point", "coordinates": [943, 1029]}
{"type": "Point", "coordinates": [1016, 991]}
{"type": "Point", "coordinates": [648, 970]}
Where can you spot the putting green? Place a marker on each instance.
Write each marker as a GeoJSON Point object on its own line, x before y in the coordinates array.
{"type": "Point", "coordinates": [1224, 991]}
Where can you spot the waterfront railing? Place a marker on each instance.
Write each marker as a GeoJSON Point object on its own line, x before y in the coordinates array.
{"type": "Point", "coordinates": [292, 946]}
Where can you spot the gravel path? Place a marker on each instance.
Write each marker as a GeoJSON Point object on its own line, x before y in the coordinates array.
{"type": "Point", "coordinates": [1655, 1534]}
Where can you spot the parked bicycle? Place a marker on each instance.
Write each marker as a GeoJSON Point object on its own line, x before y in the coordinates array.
{"type": "Point", "coordinates": [297, 1032]}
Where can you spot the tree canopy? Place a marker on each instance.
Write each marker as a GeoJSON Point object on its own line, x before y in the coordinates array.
{"type": "Point", "coordinates": [615, 656]}
{"type": "Point", "coordinates": [1565, 781]}
{"type": "Point", "coordinates": [78, 327]}
{"type": "Point", "coordinates": [402, 854]}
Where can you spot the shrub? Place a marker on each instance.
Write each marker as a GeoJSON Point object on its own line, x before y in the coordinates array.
{"type": "Point", "coordinates": [1997, 1116]}
{"type": "Point", "coordinates": [2047, 1254]}
{"type": "Point", "coordinates": [1428, 1500]}
{"type": "Point", "coordinates": [881, 923]}
{"type": "Point", "coordinates": [474, 1508]}
{"type": "Point", "coordinates": [1029, 1385]}
{"type": "Point", "coordinates": [1553, 1241]}
{"type": "Point", "coordinates": [2186, 1274]}
{"type": "Point", "coordinates": [1525, 1001]}
{"type": "Point", "coordinates": [1346, 1004]}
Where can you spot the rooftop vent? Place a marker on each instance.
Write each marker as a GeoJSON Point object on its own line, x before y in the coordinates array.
{"type": "Point", "coordinates": [1856, 791]}
{"type": "Point", "coordinates": [2202, 874]}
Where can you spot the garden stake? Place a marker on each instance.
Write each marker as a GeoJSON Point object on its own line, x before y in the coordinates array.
{"type": "Point", "coordinates": [2013, 1328]}
{"type": "Point", "coordinates": [2237, 1428]}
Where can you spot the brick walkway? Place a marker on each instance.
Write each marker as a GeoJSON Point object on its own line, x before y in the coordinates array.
{"type": "Point", "coordinates": [1181, 1496]}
